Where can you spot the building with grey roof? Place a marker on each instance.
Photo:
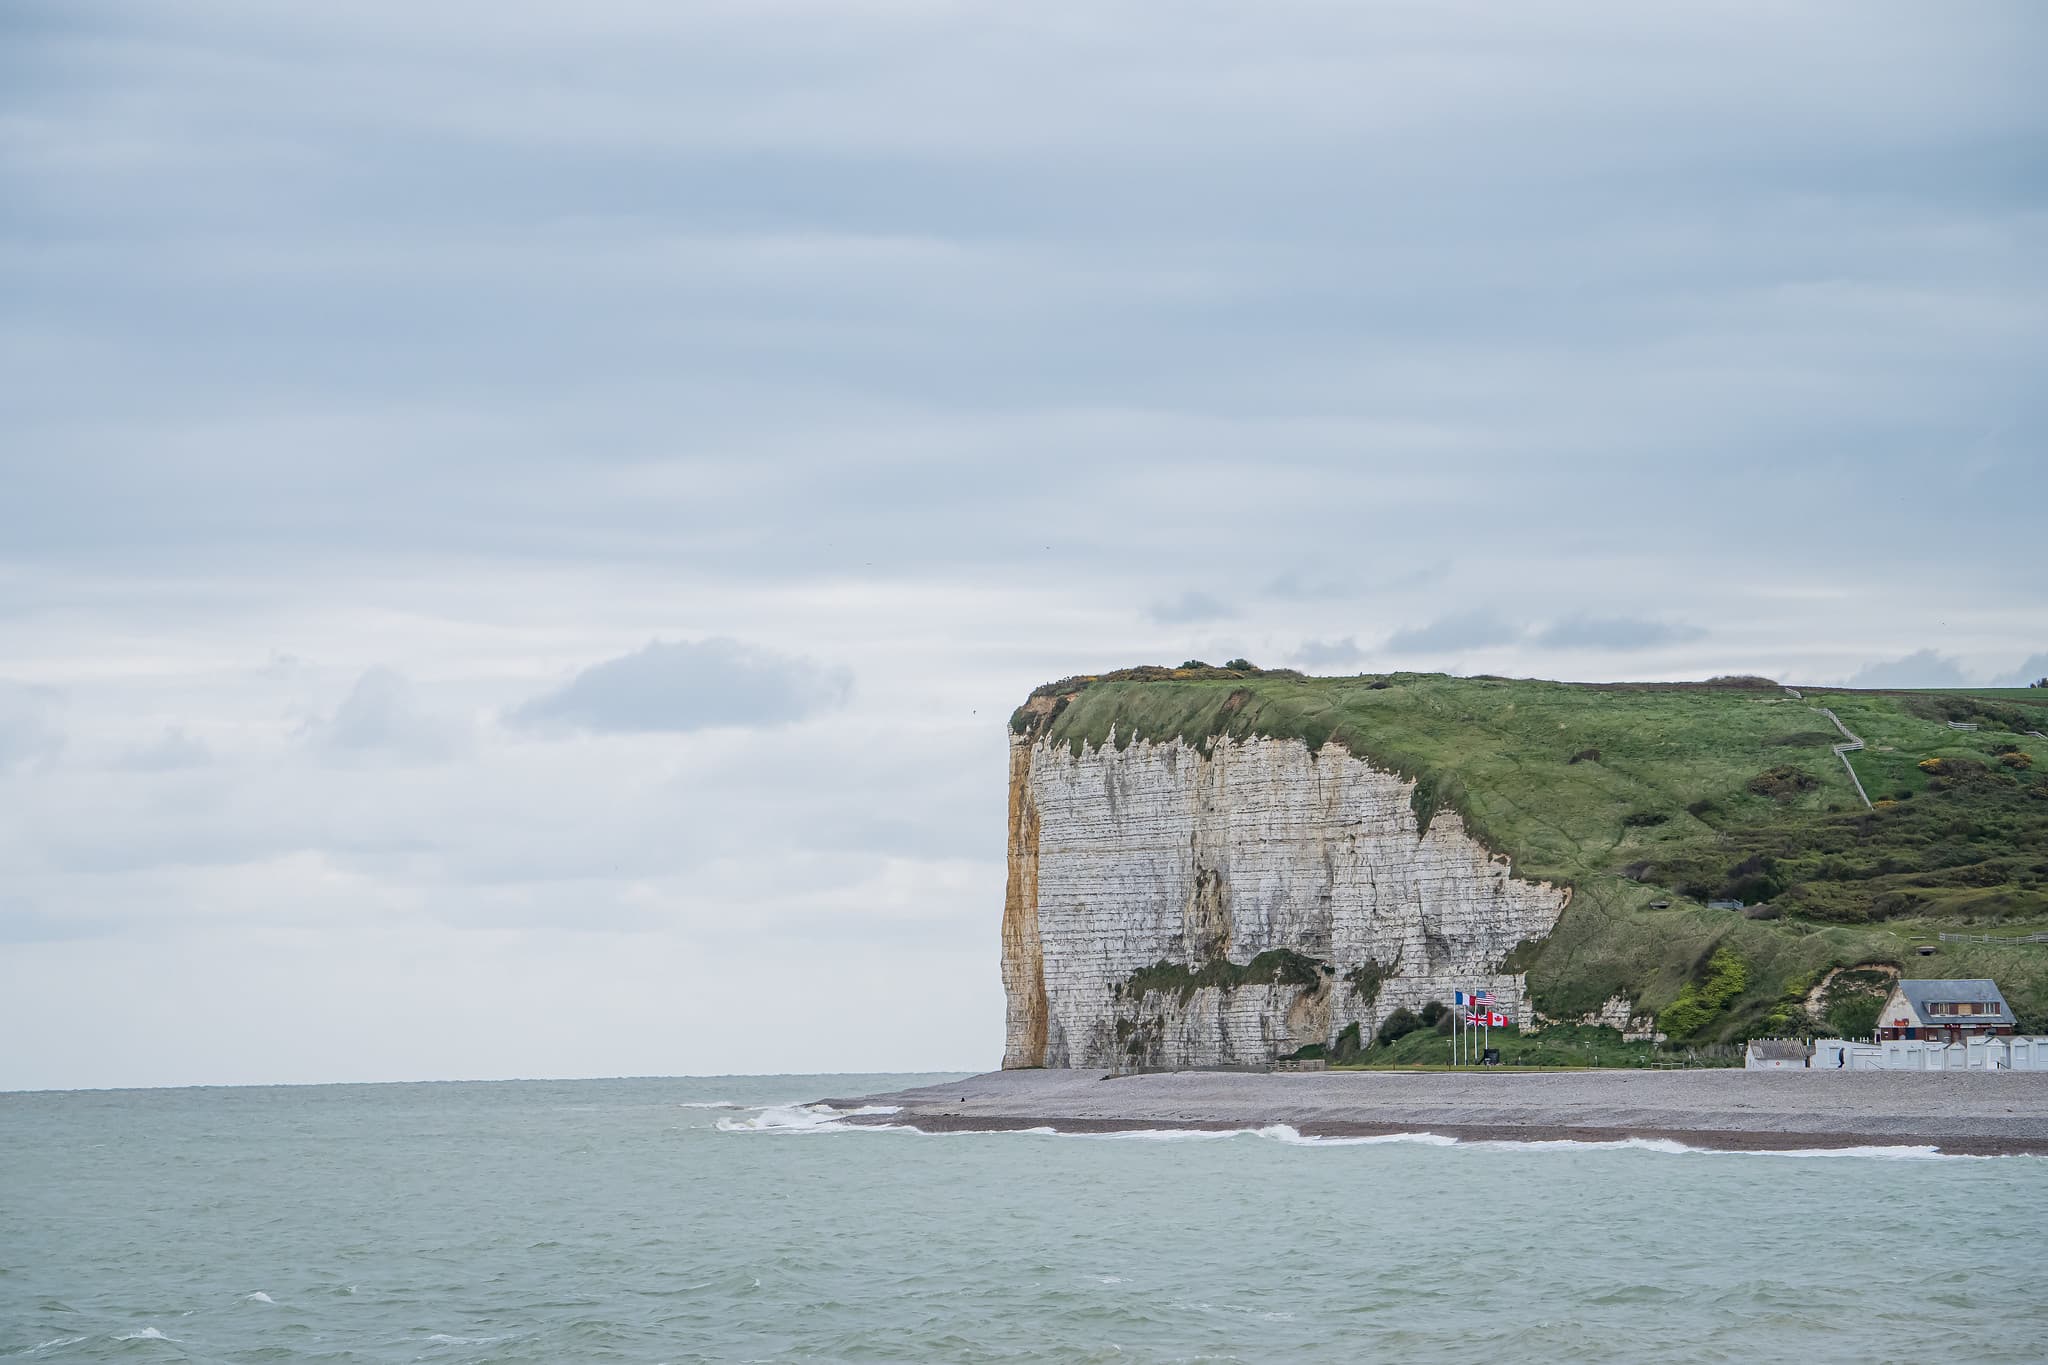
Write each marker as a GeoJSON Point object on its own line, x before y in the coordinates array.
{"type": "Point", "coordinates": [1944, 1010]}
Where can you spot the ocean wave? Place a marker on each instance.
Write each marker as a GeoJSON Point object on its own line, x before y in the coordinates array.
{"type": "Point", "coordinates": [146, 1334]}
{"type": "Point", "coordinates": [809, 1119]}
{"type": "Point", "coordinates": [712, 1104]}
{"type": "Point", "coordinates": [258, 1297]}
{"type": "Point", "coordinates": [805, 1118]}
{"type": "Point", "coordinates": [53, 1343]}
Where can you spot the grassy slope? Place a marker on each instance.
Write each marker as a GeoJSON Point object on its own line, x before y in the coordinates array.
{"type": "Point", "coordinates": [1846, 881]}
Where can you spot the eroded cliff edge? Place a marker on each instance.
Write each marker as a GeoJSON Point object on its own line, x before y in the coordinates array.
{"type": "Point", "coordinates": [1179, 904]}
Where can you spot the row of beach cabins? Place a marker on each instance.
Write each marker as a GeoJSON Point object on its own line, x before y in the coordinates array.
{"type": "Point", "coordinates": [1960, 1025]}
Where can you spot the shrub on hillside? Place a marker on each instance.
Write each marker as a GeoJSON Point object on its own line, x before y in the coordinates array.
{"type": "Point", "coordinates": [1783, 783]}
{"type": "Point", "coordinates": [1242, 666]}
{"type": "Point", "coordinates": [1702, 1001]}
{"type": "Point", "coordinates": [2018, 762]}
{"type": "Point", "coordinates": [1585, 756]}
{"type": "Point", "coordinates": [1397, 1026]}
{"type": "Point", "coordinates": [1753, 879]}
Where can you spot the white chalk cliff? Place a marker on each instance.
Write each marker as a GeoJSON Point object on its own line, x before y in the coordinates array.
{"type": "Point", "coordinates": [1123, 859]}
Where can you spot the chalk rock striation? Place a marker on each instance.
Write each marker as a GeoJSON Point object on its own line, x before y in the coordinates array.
{"type": "Point", "coordinates": [1171, 904]}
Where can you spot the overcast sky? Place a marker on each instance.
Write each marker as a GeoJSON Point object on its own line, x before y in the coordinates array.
{"type": "Point", "coordinates": [520, 524]}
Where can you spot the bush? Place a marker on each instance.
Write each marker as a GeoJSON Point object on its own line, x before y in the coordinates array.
{"type": "Point", "coordinates": [1702, 1001]}
{"type": "Point", "coordinates": [1755, 878]}
{"type": "Point", "coordinates": [1348, 1045]}
{"type": "Point", "coordinates": [1783, 783]}
{"type": "Point", "coordinates": [1398, 1025]}
{"type": "Point", "coordinates": [1242, 665]}
{"type": "Point", "coordinates": [1585, 756]}
{"type": "Point", "coordinates": [1193, 663]}
{"type": "Point", "coordinates": [2018, 762]}
{"type": "Point", "coordinates": [1644, 819]}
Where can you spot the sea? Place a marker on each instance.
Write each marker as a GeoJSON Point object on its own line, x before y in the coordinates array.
{"type": "Point", "coordinates": [730, 1219]}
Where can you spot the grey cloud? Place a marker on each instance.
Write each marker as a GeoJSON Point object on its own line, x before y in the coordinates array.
{"type": "Point", "coordinates": [1449, 634]}
{"type": "Point", "coordinates": [1614, 632]}
{"type": "Point", "coordinates": [688, 685]}
{"type": "Point", "coordinates": [22, 923]}
{"type": "Point", "coordinates": [1328, 653]}
{"type": "Point", "coordinates": [1921, 668]}
{"type": "Point", "coordinates": [383, 716]}
{"type": "Point", "coordinates": [168, 752]}
{"type": "Point", "coordinates": [2028, 673]}
{"type": "Point", "coordinates": [1303, 585]}
{"type": "Point", "coordinates": [26, 732]}
{"type": "Point", "coordinates": [1190, 608]}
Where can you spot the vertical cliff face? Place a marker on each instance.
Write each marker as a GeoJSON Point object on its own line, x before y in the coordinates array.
{"type": "Point", "coordinates": [1170, 906]}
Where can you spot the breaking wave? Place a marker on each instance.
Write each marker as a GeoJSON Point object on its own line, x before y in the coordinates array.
{"type": "Point", "coordinates": [806, 1118]}
{"type": "Point", "coordinates": [820, 1118]}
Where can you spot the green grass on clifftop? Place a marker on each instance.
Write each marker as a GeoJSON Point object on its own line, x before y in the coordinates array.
{"type": "Point", "coordinates": [1650, 800]}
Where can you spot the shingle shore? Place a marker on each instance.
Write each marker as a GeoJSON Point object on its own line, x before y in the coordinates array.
{"type": "Point", "coordinates": [1973, 1113]}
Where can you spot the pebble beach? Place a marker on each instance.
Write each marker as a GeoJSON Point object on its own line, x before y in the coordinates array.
{"type": "Point", "coordinates": [1959, 1113]}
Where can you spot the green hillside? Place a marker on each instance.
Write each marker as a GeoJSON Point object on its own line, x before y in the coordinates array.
{"type": "Point", "coordinates": [1651, 800]}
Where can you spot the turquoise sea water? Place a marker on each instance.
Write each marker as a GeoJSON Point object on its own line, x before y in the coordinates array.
{"type": "Point", "coordinates": [637, 1221]}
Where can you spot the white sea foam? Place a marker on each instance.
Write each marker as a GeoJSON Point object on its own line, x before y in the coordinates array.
{"type": "Point", "coordinates": [258, 1297]}
{"type": "Point", "coordinates": [52, 1343]}
{"type": "Point", "coordinates": [804, 1118]}
{"type": "Point", "coordinates": [810, 1119]}
{"type": "Point", "coordinates": [446, 1340]}
{"type": "Point", "coordinates": [711, 1104]}
{"type": "Point", "coordinates": [146, 1334]}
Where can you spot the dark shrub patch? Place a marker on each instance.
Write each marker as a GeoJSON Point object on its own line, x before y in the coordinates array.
{"type": "Point", "coordinates": [1698, 809]}
{"type": "Point", "coordinates": [1805, 739]}
{"type": "Point", "coordinates": [1755, 878]}
{"type": "Point", "coordinates": [1585, 756]}
{"type": "Point", "coordinates": [1348, 1045]}
{"type": "Point", "coordinates": [1783, 783]}
{"type": "Point", "coordinates": [1644, 819]}
{"type": "Point", "coordinates": [1397, 1026]}
{"type": "Point", "coordinates": [1242, 665]}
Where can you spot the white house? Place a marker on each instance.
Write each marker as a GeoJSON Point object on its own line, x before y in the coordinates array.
{"type": "Point", "coordinates": [1945, 1011]}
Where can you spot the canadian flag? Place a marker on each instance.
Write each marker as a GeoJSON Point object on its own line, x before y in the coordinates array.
{"type": "Point", "coordinates": [1487, 1020]}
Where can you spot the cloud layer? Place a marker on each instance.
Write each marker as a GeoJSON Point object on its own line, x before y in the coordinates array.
{"type": "Point", "coordinates": [458, 461]}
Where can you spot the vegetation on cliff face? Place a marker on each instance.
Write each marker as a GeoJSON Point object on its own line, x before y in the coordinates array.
{"type": "Point", "coordinates": [1652, 800]}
